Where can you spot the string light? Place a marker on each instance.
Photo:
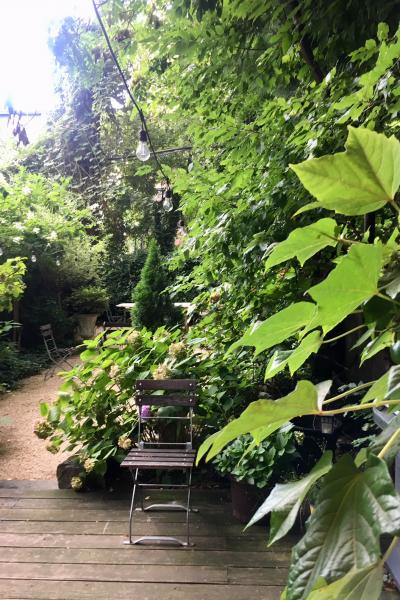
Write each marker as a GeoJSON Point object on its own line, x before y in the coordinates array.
{"type": "Point", "coordinates": [145, 147]}
{"type": "Point", "coordinates": [142, 151]}
{"type": "Point", "coordinates": [167, 202]}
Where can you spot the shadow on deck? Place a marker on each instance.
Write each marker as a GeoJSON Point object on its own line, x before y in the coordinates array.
{"type": "Point", "coordinates": [60, 544]}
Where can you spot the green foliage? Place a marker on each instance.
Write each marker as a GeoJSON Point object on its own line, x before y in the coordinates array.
{"type": "Point", "coordinates": [152, 304]}
{"type": "Point", "coordinates": [278, 327]}
{"type": "Point", "coordinates": [95, 412]}
{"type": "Point", "coordinates": [358, 584]}
{"type": "Point", "coordinates": [357, 502]}
{"type": "Point", "coordinates": [15, 365]}
{"type": "Point", "coordinates": [304, 242]}
{"type": "Point", "coordinates": [360, 180]}
{"type": "Point", "coordinates": [82, 263]}
{"type": "Point", "coordinates": [122, 273]}
{"type": "Point", "coordinates": [12, 285]}
{"type": "Point", "coordinates": [254, 86]}
{"type": "Point", "coordinates": [269, 462]}
{"type": "Point", "coordinates": [42, 220]}
{"type": "Point", "coordinates": [263, 417]}
{"type": "Point", "coordinates": [88, 300]}
{"type": "Point", "coordinates": [353, 509]}
{"type": "Point", "coordinates": [285, 500]}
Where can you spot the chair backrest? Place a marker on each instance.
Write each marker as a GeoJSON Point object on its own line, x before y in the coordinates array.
{"type": "Point", "coordinates": [166, 392]}
{"type": "Point", "coordinates": [49, 341]}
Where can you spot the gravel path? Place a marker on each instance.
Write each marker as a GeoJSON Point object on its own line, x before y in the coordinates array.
{"type": "Point", "coordinates": [22, 454]}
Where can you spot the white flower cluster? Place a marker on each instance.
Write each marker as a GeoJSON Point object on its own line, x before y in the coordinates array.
{"type": "Point", "coordinates": [76, 483]}
{"type": "Point", "coordinates": [161, 372]}
{"type": "Point", "coordinates": [89, 464]}
{"type": "Point", "coordinates": [114, 371]}
{"type": "Point", "coordinates": [130, 406]}
{"type": "Point", "coordinates": [133, 338]}
{"type": "Point", "coordinates": [124, 442]}
{"type": "Point", "coordinates": [176, 349]}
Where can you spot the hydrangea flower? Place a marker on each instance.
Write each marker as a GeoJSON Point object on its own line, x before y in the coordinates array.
{"type": "Point", "coordinates": [50, 447]}
{"type": "Point", "coordinates": [76, 483]}
{"type": "Point", "coordinates": [42, 429]}
{"type": "Point", "coordinates": [133, 338]}
{"type": "Point", "coordinates": [124, 442]}
{"type": "Point", "coordinates": [161, 372]}
{"type": "Point", "coordinates": [114, 371]}
{"type": "Point", "coordinates": [177, 349]}
{"type": "Point", "coordinates": [89, 464]}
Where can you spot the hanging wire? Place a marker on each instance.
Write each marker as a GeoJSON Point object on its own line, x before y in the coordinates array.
{"type": "Point", "coordinates": [131, 96]}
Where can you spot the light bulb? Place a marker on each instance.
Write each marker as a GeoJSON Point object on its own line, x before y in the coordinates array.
{"type": "Point", "coordinates": [167, 202]}
{"type": "Point", "coordinates": [142, 151]}
{"type": "Point", "coordinates": [33, 258]}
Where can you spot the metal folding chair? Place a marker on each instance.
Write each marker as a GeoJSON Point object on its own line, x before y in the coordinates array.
{"type": "Point", "coordinates": [58, 356]}
{"type": "Point", "coordinates": [165, 456]}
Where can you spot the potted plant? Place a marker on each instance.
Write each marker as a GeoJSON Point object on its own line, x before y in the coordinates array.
{"type": "Point", "coordinates": [253, 471]}
{"type": "Point", "coordinates": [88, 303]}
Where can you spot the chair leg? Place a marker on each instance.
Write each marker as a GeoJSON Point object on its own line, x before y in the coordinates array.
{"type": "Point", "coordinates": [161, 538]}
{"type": "Point", "coordinates": [189, 483]}
{"type": "Point", "coordinates": [132, 508]}
{"type": "Point", "coordinates": [50, 371]}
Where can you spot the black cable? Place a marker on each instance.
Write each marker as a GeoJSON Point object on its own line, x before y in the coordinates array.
{"type": "Point", "coordinates": [135, 103]}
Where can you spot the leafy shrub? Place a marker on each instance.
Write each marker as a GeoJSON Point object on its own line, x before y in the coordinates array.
{"type": "Point", "coordinates": [88, 300]}
{"type": "Point", "coordinates": [95, 414]}
{"type": "Point", "coordinates": [11, 282]}
{"type": "Point", "coordinates": [266, 464]}
{"type": "Point", "coordinates": [122, 273]}
{"type": "Point", "coordinates": [153, 307]}
{"type": "Point", "coordinates": [15, 365]}
{"type": "Point", "coordinates": [40, 310]}
{"type": "Point", "coordinates": [81, 263]}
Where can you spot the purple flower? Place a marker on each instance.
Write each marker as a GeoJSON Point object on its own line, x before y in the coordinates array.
{"type": "Point", "coordinates": [145, 411]}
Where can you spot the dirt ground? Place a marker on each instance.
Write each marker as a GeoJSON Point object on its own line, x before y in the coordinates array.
{"type": "Point", "coordinates": [22, 454]}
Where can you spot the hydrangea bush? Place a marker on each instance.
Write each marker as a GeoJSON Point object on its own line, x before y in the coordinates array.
{"type": "Point", "coordinates": [95, 414]}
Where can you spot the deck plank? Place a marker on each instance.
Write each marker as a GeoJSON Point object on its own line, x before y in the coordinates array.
{"type": "Point", "coordinates": [83, 590]}
{"type": "Point", "coordinates": [58, 544]}
{"type": "Point", "coordinates": [82, 540]}
{"type": "Point", "coordinates": [134, 555]}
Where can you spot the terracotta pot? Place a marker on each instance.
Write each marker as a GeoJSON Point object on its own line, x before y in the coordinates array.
{"type": "Point", "coordinates": [246, 499]}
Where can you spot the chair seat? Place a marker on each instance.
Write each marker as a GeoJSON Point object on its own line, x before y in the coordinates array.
{"type": "Point", "coordinates": [160, 458]}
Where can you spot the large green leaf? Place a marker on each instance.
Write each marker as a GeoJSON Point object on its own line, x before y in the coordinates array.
{"type": "Point", "coordinates": [380, 441]}
{"type": "Point", "coordinates": [358, 584]}
{"type": "Point", "coordinates": [382, 341]}
{"type": "Point", "coordinates": [267, 414]}
{"type": "Point", "coordinates": [277, 363]}
{"type": "Point", "coordinates": [277, 328]}
{"type": "Point", "coordinates": [353, 281]}
{"type": "Point", "coordinates": [308, 345]}
{"type": "Point", "coordinates": [385, 388]}
{"type": "Point", "coordinates": [295, 358]}
{"type": "Point", "coordinates": [304, 242]}
{"type": "Point", "coordinates": [285, 500]}
{"type": "Point", "coordinates": [360, 180]}
{"type": "Point", "coordinates": [353, 509]}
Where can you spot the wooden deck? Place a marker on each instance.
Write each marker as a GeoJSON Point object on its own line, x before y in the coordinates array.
{"type": "Point", "coordinates": [59, 544]}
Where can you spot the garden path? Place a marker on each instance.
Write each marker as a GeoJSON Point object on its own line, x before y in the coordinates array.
{"type": "Point", "coordinates": [22, 454]}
